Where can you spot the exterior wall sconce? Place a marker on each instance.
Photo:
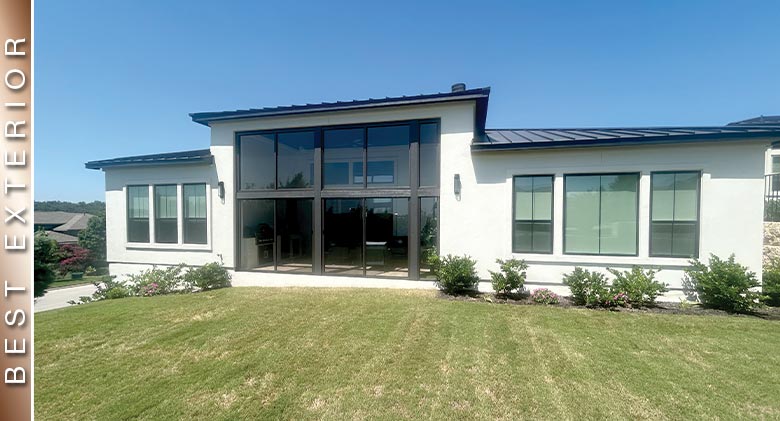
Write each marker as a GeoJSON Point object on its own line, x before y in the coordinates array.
{"type": "Point", "coordinates": [457, 185]}
{"type": "Point", "coordinates": [221, 189]}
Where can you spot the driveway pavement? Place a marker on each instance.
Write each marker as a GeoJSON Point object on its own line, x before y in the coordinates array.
{"type": "Point", "coordinates": [58, 298]}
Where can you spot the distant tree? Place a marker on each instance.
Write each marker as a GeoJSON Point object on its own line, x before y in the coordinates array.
{"type": "Point", "coordinates": [46, 257]}
{"type": "Point", "coordinates": [94, 208]}
{"type": "Point", "coordinates": [93, 238]}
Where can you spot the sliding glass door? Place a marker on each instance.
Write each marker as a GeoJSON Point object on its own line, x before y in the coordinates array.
{"type": "Point", "coordinates": [276, 234]}
{"type": "Point", "coordinates": [342, 238]}
{"type": "Point", "coordinates": [387, 237]}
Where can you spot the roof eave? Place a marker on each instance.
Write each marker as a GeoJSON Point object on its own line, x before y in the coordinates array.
{"type": "Point", "coordinates": [102, 165]}
{"type": "Point", "coordinates": [479, 145]}
{"type": "Point", "coordinates": [205, 118]}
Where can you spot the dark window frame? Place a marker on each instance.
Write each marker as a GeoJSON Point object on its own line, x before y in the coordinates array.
{"type": "Point", "coordinates": [638, 205]}
{"type": "Point", "coordinates": [184, 217]}
{"type": "Point", "coordinates": [552, 214]}
{"type": "Point", "coordinates": [148, 215]}
{"type": "Point", "coordinates": [413, 191]}
{"type": "Point", "coordinates": [156, 219]}
{"type": "Point", "coordinates": [698, 216]}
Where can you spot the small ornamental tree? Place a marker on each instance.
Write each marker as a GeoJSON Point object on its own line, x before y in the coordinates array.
{"type": "Point", "coordinates": [93, 238]}
{"type": "Point", "coordinates": [74, 258]}
{"type": "Point", "coordinates": [46, 255]}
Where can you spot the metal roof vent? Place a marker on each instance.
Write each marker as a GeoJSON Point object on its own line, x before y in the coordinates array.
{"type": "Point", "coordinates": [459, 87]}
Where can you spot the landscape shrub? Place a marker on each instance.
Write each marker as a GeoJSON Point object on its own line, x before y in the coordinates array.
{"type": "Point", "coordinates": [587, 288]}
{"type": "Point", "coordinates": [206, 277]}
{"type": "Point", "coordinates": [639, 285]}
{"type": "Point", "coordinates": [723, 284]}
{"type": "Point", "coordinates": [544, 296]}
{"type": "Point", "coordinates": [454, 274]}
{"type": "Point", "coordinates": [74, 258]}
{"type": "Point", "coordinates": [45, 257]}
{"type": "Point", "coordinates": [510, 278]}
{"type": "Point", "coordinates": [157, 281]}
{"type": "Point", "coordinates": [616, 300]}
{"type": "Point", "coordinates": [109, 288]}
{"type": "Point", "coordinates": [770, 283]}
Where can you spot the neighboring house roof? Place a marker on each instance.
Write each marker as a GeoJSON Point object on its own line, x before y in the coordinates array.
{"type": "Point", "coordinates": [481, 95]}
{"type": "Point", "coordinates": [200, 156]}
{"type": "Point", "coordinates": [764, 120]}
{"type": "Point", "coordinates": [560, 138]}
{"type": "Point", "coordinates": [61, 238]}
{"type": "Point", "coordinates": [77, 223]}
{"type": "Point", "coordinates": [63, 221]}
{"type": "Point", "coordinates": [53, 218]}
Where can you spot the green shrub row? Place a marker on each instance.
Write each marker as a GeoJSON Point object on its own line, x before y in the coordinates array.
{"type": "Point", "coordinates": [156, 281]}
{"type": "Point", "coordinates": [720, 284]}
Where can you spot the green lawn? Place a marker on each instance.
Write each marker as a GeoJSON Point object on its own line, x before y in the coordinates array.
{"type": "Point", "coordinates": [249, 353]}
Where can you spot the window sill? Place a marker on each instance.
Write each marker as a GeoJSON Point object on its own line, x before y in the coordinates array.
{"type": "Point", "coordinates": [602, 260]}
{"type": "Point", "coordinates": [170, 247]}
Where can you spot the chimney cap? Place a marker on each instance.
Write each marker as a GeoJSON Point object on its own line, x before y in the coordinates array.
{"type": "Point", "coordinates": [458, 87]}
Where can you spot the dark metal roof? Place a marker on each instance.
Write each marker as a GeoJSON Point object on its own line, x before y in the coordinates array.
{"type": "Point", "coordinates": [481, 95]}
{"type": "Point", "coordinates": [764, 120]}
{"type": "Point", "coordinates": [558, 138]}
{"type": "Point", "coordinates": [200, 156]}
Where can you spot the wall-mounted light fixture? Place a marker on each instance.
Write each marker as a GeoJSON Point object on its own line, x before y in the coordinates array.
{"type": "Point", "coordinates": [457, 185]}
{"type": "Point", "coordinates": [221, 186]}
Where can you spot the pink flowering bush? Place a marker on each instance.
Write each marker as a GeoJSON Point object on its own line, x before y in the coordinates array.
{"type": "Point", "coordinates": [74, 258]}
{"type": "Point", "coordinates": [150, 289]}
{"type": "Point", "coordinates": [544, 296]}
{"type": "Point", "coordinates": [618, 300]}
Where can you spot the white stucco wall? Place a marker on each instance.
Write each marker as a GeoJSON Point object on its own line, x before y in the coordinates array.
{"type": "Point", "coordinates": [731, 218]}
{"type": "Point", "coordinates": [479, 222]}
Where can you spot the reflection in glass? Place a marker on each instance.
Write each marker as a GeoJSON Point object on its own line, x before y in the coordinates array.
{"type": "Point", "coordinates": [257, 162]}
{"type": "Point", "coordinates": [343, 236]}
{"type": "Point", "coordinates": [388, 156]}
{"type": "Point", "coordinates": [340, 148]}
{"type": "Point", "coordinates": [429, 155]}
{"type": "Point", "coordinates": [675, 214]}
{"type": "Point", "coordinates": [429, 233]}
{"type": "Point", "coordinates": [257, 234]}
{"type": "Point", "coordinates": [296, 160]}
{"type": "Point", "coordinates": [387, 237]}
{"type": "Point", "coordinates": [294, 235]}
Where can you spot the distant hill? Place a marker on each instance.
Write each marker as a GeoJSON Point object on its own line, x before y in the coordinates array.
{"type": "Point", "coordinates": [94, 208]}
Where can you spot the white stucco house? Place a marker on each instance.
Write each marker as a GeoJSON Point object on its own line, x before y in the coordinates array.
{"type": "Point", "coordinates": [354, 193]}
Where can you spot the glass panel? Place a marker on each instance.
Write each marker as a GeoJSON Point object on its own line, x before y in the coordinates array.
{"type": "Point", "coordinates": [296, 157]}
{"type": "Point", "coordinates": [522, 237]}
{"type": "Point", "coordinates": [686, 196]}
{"type": "Point", "coordinates": [619, 214]}
{"type": "Point", "coordinates": [257, 162]}
{"type": "Point", "coordinates": [776, 164]}
{"type": "Point", "coordinates": [294, 231]}
{"type": "Point", "coordinates": [661, 238]}
{"type": "Point", "coordinates": [194, 213]}
{"type": "Point", "coordinates": [662, 185]}
{"type": "Point", "coordinates": [429, 154]}
{"type": "Point", "coordinates": [542, 198]}
{"type": "Point", "coordinates": [387, 237]}
{"type": "Point", "coordinates": [165, 221]}
{"type": "Point", "coordinates": [684, 239]}
{"type": "Point", "coordinates": [581, 231]}
{"type": "Point", "coordinates": [256, 244]}
{"type": "Point", "coordinates": [138, 214]}
{"type": "Point", "coordinates": [388, 156]}
{"type": "Point", "coordinates": [340, 148]}
{"type": "Point", "coordinates": [429, 232]}
{"type": "Point", "coordinates": [523, 198]}
{"type": "Point", "coordinates": [542, 237]}
{"type": "Point", "coordinates": [343, 236]}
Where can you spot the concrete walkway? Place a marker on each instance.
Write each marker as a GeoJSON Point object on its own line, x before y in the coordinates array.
{"type": "Point", "coordinates": [59, 297]}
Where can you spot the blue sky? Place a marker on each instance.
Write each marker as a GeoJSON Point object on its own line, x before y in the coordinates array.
{"type": "Point", "coordinates": [116, 79]}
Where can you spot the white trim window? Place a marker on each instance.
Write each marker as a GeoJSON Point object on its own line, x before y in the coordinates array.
{"type": "Point", "coordinates": [181, 215]}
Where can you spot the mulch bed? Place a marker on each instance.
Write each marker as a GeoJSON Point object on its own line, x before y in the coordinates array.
{"type": "Point", "coordinates": [768, 313]}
